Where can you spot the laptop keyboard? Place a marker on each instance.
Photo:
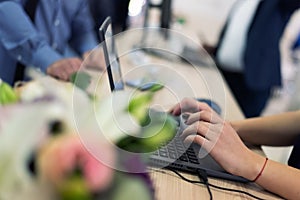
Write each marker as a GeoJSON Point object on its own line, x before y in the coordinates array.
{"type": "Point", "coordinates": [176, 150]}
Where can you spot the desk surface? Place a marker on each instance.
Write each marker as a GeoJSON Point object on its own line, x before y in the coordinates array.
{"type": "Point", "coordinates": [184, 80]}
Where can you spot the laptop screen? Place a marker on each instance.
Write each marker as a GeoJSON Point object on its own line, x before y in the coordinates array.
{"type": "Point", "coordinates": [110, 55]}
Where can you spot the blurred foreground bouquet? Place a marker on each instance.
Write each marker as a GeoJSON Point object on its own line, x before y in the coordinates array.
{"type": "Point", "coordinates": [59, 142]}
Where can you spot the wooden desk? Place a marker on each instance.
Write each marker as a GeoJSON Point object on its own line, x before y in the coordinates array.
{"type": "Point", "coordinates": [184, 80]}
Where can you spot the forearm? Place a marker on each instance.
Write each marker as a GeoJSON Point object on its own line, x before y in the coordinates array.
{"type": "Point", "coordinates": [222, 142]}
{"type": "Point", "coordinates": [275, 130]}
{"type": "Point", "coordinates": [21, 40]}
{"type": "Point", "coordinates": [278, 178]}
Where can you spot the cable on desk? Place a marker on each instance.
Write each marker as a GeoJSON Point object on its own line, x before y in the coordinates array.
{"type": "Point", "coordinates": [214, 186]}
{"type": "Point", "coordinates": [203, 176]}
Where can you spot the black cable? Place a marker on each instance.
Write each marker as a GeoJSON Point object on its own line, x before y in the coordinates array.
{"type": "Point", "coordinates": [236, 191]}
{"type": "Point", "coordinates": [185, 179]}
{"type": "Point", "coordinates": [212, 185]}
{"type": "Point", "coordinates": [203, 176]}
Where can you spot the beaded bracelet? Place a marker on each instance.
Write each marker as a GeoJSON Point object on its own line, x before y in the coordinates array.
{"type": "Point", "coordinates": [261, 171]}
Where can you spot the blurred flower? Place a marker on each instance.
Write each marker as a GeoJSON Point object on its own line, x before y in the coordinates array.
{"type": "Point", "coordinates": [64, 161]}
{"type": "Point", "coordinates": [99, 153]}
{"type": "Point", "coordinates": [24, 128]}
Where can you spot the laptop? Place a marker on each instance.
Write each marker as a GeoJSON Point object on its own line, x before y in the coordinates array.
{"type": "Point", "coordinates": [174, 155]}
{"type": "Point", "coordinates": [116, 81]}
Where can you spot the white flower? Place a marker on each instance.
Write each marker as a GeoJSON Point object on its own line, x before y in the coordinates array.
{"type": "Point", "coordinates": [113, 117]}
{"type": "Point", "coordinates": [20, 135]}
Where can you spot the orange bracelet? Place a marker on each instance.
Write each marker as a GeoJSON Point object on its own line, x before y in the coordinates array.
{"type": "Point", "coordinates": [261, 171]}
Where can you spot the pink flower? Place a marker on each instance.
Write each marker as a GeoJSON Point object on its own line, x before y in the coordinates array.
{"type": "Point", "coordinates": [63, 154]}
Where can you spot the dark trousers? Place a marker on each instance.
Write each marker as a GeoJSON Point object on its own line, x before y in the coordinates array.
{"type": "Point", "coordinates": [252, 102]}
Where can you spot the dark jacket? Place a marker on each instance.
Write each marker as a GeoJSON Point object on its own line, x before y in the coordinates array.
{"type": "Point", "coordinates": [294, 159]}
{"type": "Point", "coordinates": [262, 56]}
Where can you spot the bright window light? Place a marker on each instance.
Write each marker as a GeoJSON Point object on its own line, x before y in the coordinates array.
{"type": "Point", "coordinates": [135, 7]}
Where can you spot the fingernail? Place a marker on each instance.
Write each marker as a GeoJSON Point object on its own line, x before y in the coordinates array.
{"type": "Point", "coordinates": [187, 141]}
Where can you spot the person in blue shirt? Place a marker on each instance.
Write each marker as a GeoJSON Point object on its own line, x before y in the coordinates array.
{"type": "Point", "coordinates": [55, 43]}
{"type": "Point", "coordinates": [225, 141]}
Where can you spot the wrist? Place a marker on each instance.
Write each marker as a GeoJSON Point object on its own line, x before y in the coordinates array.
{"type": "Point", "coordinates": [44, 57]}
{"type": "Point", "coordinates": [261, 171]}
{"type": "Point", "coordinates": [254, 166]}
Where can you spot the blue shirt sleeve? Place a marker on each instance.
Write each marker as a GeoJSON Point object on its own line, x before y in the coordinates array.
{"type": "Point", "coordinates": [83, 33]}
{"type": "Point", "coordinates": [20, 38]}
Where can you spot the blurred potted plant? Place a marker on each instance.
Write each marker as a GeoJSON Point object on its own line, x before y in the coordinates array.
{"type": "Point", "coordinates": [56, 142]}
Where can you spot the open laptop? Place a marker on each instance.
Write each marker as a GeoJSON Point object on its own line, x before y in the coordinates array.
{"type": "Point", "coordinates": [116, 81]}
{"type": "Point", "coordinates": [175, 154]}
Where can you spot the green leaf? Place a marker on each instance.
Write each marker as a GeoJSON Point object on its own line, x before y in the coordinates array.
{"type": "Point", "coordinates": [7, 94]}
{"type": "Point", "coordinates": [81, 79]}
{"type": "Point", "coordinates": [138, 106]}
{"type": "Point", "coordinates": [130, 187]}
{"type": "Point", "coordinates": [160, 130]}
{"type": "Point", "coordinates": [74, 189]}
{"type": "Point", "coordinates": [155, 87]}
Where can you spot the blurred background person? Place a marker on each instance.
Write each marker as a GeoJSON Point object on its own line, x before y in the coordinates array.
{"type": "Point", "coordinates": [53, 36]}
{"type": "Point", "coordinates": [121, 17]}
{"type": "Point", "coordinates": [248, 50]}
{"type": "Point", "coordinates": [116, 9]}
{"type": "Point", "coordinates": [101, 9]}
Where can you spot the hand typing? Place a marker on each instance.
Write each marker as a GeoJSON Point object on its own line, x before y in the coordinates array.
{"type": "Point", "coordinates": [62, 69]}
